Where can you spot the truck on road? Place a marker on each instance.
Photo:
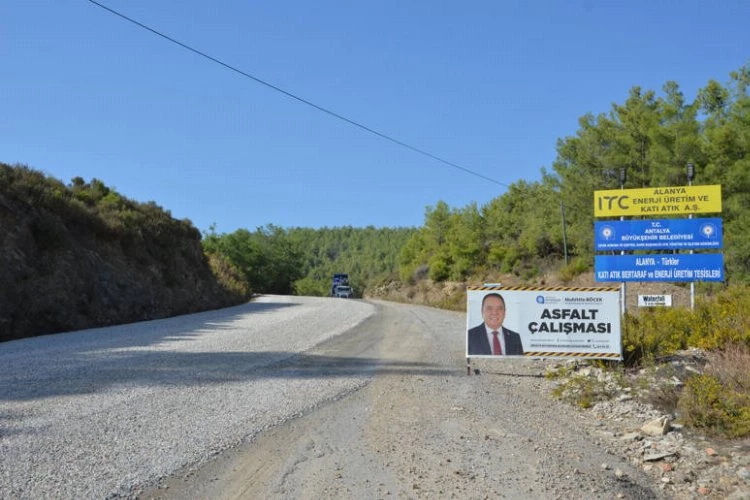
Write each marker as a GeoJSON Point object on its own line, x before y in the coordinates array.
{"type": "Point", "coordinates": [343, 292]}
{"type": "Point", "coordinates": [340, 280]}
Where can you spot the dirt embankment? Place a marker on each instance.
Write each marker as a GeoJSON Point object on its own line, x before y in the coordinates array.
{"type": "Point", "coordinates": [452, 294]}
{"type": "Point", "coordinates": [67, 270]}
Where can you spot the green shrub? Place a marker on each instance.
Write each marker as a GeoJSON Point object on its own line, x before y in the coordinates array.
{"type": "Point", "coordinates": [717, 321]}
{"type": "Point", "coordinates": [718, 401]}
{"type": "Point", "coordinates": [496, 255]}
{"type": "Point", "coordinates": [722, 319]}
{"type": "Point", "coordinates": [708, 405]}
{"type": "Point", "coordinates": [575, 268]}
{"type": "Point", "coordinates": [529, 273]}
{"type": "Point", "coordinates": [312, 287]}
{"type": "Point", "coordinates": [511, 260]}
{"type": "Point", "coordinates": [455, 301]}
{"type": "Point", "coordinates": [228, 276]}
{"type": "Point", "coordinates": [439, 269]}
{"type": "Point", "coordinates": [655, 332]}
{"type": "Point", "coordinates": [112, 201]}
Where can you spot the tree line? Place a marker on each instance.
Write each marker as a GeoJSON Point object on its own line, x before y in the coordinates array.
{"type": "Point", "coordinates": [652, 136]}
{"type": "Point", "coordinates": [302, 261]}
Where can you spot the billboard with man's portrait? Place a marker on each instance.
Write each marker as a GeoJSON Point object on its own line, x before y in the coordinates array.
{"type": "Point", "coordinates": [543, 322]}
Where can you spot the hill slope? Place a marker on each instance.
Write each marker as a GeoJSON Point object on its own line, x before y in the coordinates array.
{"type": "Point", "coordinates": [80, 256]}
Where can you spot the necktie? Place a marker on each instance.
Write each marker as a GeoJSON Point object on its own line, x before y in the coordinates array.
{"type": "Point", "coordinates": [496, 349]}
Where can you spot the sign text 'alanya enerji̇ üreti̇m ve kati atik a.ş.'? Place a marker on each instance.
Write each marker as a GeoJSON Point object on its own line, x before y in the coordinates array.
{"type": "Point", "coordinates": [664, 234]}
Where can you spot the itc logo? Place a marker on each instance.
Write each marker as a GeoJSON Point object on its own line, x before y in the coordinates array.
{"type": "Point", "coordinates": [606, 202]}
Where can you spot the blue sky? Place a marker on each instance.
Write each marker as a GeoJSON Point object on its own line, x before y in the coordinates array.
{"type": "Point", "coordinates": [488, 85]}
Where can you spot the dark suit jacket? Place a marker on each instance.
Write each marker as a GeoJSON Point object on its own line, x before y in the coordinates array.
{"type": "Point", "coordinates": [480, 345]}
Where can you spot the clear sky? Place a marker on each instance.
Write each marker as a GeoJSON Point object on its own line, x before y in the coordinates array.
{"type": "Point", "coordinates": [488, 85]}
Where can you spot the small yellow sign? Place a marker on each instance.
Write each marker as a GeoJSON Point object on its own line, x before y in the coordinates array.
{"type": "Point", "coordinates": [658, 201]}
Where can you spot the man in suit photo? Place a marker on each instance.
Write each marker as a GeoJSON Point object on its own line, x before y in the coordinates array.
{"type": "Point", "coordinates": [491, 338]}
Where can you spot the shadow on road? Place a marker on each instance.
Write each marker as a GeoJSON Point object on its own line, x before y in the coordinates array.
{"type": "Point", "coordinates": [148, 332]}
{"type": "Point", "coordinates": [188, 369]}
{"type": "Point", "coordinates": [99, 360]}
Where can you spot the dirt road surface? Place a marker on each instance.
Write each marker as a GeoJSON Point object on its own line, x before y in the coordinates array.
{"type": "Point", "coordinates": [420, 428]}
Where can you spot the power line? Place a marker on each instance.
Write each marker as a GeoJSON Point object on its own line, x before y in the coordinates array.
{"type": "Point", "coordinates": [293, 96]}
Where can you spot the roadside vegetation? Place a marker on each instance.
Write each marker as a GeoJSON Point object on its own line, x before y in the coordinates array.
{"type": "Point", "coordinates": [717, 399]}
{"type": "Point", "coordinates": [81, 255]}
{"type": "Point", "coordinates": [520, 237]}
{"type": "Point", "coordinates": [84, 247]}
{"type": "Point", "coordinates": [652, 136]}
{"type": "Point", "coordinates": [302, 261]}
{"type": "Point", "coordinates": [693, 364]}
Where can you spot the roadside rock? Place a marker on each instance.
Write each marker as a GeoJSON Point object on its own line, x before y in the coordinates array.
{"type": "Point", "coordinates": [684, 464]}
{"type": "Point", "coordinates": [657, 427]}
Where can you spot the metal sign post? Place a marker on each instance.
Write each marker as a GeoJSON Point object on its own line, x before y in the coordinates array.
{"type": "Point", "coordinates": [623, 307]}
{"type": "Point", "coordinates": [690, 176]}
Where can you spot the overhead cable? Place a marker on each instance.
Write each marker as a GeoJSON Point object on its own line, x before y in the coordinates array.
{"type": "Point", "coordinates": [296, 97]}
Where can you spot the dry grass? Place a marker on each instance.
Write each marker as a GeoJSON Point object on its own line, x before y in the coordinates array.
{"type": "Point", "coordinates": [718, 401]}
{"type": "Point", "coordinates": [731, 366]}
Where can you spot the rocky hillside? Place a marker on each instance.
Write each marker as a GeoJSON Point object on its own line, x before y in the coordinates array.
{"type": "Point", "coordinates": [82, 255]}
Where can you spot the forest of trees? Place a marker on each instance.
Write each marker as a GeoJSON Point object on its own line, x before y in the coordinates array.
{"type": "Point", "coordinates": [303, 260]}
{"type": "Point", "coordinates": [652, 136]}
{"type": "Point", "coordinates": [99, 258]}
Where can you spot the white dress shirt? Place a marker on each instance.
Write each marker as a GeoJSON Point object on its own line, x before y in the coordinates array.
{"type": "Point", "coordinates": [499, 336]}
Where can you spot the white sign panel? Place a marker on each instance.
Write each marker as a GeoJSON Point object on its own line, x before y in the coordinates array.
{"type": "Point", "coordinates": [654, 300]}
{"type": "Point", "coordinates": [543, 322]}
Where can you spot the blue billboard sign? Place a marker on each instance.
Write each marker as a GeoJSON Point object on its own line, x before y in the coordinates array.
{"type": "Point", "coordinates": [666, 234]}
{"type": "Point", "coordinates": [659, 267]}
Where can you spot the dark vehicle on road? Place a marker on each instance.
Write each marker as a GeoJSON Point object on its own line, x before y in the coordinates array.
{"type": "Point", "coordinates": [343, 292]}
{"type": "Point", "coordinates": [339, 279]}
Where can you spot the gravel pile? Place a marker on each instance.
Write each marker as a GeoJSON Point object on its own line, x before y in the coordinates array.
{"type": "Point", "coordinates": [101, 413]}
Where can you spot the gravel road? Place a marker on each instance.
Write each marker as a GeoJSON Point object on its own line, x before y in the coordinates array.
{"type": "Point", "coordinates": [101, 413]}
{"type": "Point", "coordinates": [267, 400]}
